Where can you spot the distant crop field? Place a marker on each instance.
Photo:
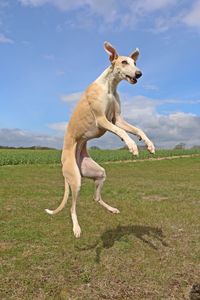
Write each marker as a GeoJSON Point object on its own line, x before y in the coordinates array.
{"type": "Point", "coordinates": [21, 156]}
{"type": "Point", "coordinates": [150, 251]}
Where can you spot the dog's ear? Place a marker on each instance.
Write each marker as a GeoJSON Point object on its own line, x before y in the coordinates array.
{"type": "Point", "coordinates": [135, 54]}
{"type": "Point", "coordinates": [111, 51]}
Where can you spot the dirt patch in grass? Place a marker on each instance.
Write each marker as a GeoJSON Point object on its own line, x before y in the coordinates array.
{"type": "Point", "coordinates": [6, 245]}
{"type": "Point", "coordinates": [154, 198]}
{"type": "Point", "coordinates": [153, 159]}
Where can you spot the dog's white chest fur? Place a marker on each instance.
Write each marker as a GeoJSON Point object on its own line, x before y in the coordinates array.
{"type": "Point", "coordinates": [108, 98]}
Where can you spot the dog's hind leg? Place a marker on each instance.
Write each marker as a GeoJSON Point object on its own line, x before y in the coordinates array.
{"type": "Point", "coordinates": [90, 169]}
{"type": "Point", "coordinates": [97, 196]}
{"type": "Point", "coordinates": [72, 175]}
{"type": "Point", "coordinates": [75, 193]}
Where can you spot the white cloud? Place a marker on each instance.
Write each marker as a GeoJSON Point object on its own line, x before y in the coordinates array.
{"type": "Point", "coordinates": [151, 87]}
{"type": "Point", "coordinates": [5, 40]}
{"type": "Point", "coordinates": [61, 4]}
{"type": "Point", "coordinates": [105, 7]}
{"type": "Point", "coordinates": [17, 138]}
{"type": "Point", "coordinates": [189, 16]}
{"type": "Point", "coordinates": [164, 23]}
{"type": "Point", "coordinates": [60, 126]}
{"type": "Point", "coordinates": [109, 10]}
{"type": "Point", "coordinates": [165, 130]}
{"type": "Point", "coordinates": [127, 13]}
{"type": "Point", "coordinates": [74, 97]}
{"type": "Point", "coordinates": [123, 14]}
{"type": "Point", "coordinates": [137, 107]}
{"type": "Point", "coordinates": [149, 6]}
{"type": "Point", "coordinates": [192, 18]}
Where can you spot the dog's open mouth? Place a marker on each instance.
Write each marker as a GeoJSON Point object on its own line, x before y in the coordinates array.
{"type": "Point", "coordinates": [131, 79]}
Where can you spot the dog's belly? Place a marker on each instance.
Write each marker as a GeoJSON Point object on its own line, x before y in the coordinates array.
{"type": "Point", "coordinates": [93, 132]}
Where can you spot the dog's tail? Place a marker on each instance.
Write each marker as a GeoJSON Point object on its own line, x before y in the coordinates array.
{"type": "Point", "coordinates": [63, 203]}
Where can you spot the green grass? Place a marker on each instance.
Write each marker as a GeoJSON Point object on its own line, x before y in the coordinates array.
{"type": "Point", "coordinates": [19, 156]}
{"type": "Point", "coordinates": [149, 251]}
{"type": "Point", "coordinates": [23, 156]}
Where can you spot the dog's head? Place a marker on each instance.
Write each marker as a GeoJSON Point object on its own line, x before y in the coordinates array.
{"type": "Point", "coordinates": [124, 66]}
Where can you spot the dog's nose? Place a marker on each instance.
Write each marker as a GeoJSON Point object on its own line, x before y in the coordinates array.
{"type": "Point", "coordinates": [138, 74]}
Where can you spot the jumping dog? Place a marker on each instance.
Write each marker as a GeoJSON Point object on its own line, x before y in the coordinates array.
{"type": "Point", "coordinates": [98, 111]}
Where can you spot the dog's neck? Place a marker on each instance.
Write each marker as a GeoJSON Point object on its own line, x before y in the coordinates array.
{"type": "Point", "coordinates": [109, 80]}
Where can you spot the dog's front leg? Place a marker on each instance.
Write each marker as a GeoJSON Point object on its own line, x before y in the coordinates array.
{"type": "Point", "coordinates": [136, 131]}
{"type": "Point", "coordinates": [103, 122]}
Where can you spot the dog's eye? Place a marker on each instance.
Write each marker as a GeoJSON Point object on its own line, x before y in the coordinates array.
{"type": "Point", "coordinates": [124, 62]}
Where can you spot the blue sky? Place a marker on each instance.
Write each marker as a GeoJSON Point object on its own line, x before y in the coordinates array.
{"type": "Point", "coordinates": [51, 50]}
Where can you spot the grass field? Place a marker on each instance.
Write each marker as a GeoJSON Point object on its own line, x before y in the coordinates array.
{"type": "Point", "coordinates": [149, 251]}
{"type": "Point", "coordinates": [19, 156]}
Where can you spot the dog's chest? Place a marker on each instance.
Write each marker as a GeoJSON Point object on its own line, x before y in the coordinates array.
{"type": "Point", "coordinates": [110, 106]}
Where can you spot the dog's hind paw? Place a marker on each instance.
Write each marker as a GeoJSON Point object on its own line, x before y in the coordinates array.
{"type": "Point", "coordinates": [114, 210]}
{"type": "Point", "coordinates": [77, 231]}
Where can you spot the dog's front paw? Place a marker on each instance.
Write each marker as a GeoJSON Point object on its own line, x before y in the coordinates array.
{"type": "Point", "coordinates": [132, 147]}
{"type": "Point", "coordinates": [150, 147]}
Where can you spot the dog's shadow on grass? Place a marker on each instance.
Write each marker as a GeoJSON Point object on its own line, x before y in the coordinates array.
{"type": "Point", "coordinates": [142, 232]}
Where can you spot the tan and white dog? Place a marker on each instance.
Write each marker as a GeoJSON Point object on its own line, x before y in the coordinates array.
{"type": "Point", "coordinates": [98, 111]}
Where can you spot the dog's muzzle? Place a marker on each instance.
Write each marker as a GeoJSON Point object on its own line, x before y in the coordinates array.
{"type": "Point", "coordinates": [138, 74]}
{"type": "Point", "coordinates": [133, 80]}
